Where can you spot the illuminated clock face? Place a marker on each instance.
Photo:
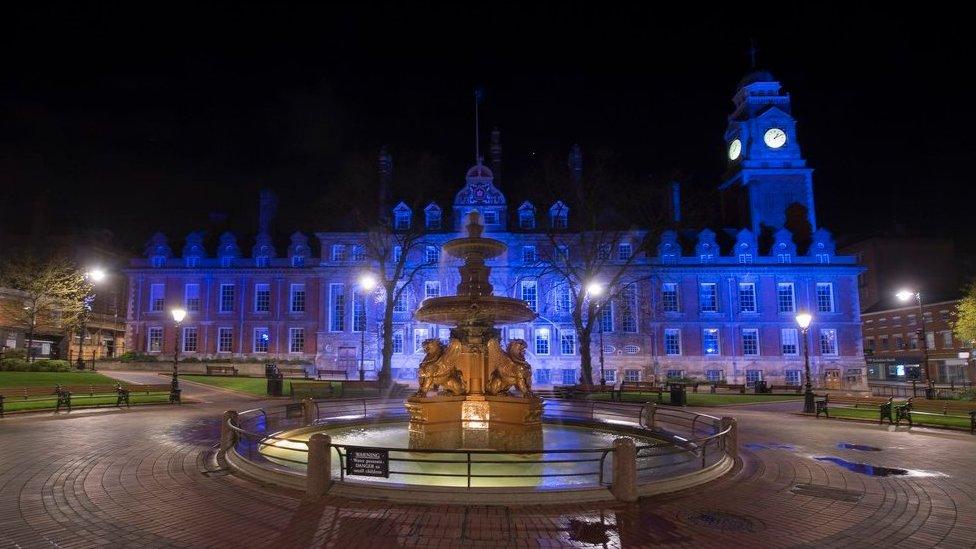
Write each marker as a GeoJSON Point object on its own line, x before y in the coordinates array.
{"type": "Point", "coordinates": [735, 149]}
{"type": "Point", "coordinates": [774, 138]}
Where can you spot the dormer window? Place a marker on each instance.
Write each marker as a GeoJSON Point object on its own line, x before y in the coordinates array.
{"type": "Point", "coordinates": [529, 255]}
{"type": "Point", "coordinates": [338, 252]}
{"type": "Point", "coordinates": [226, 261]}
{"type": "Point", "coordinates": [402, 217]}
{"type": "Point", "coordinates": [560, 220]}
{"type": "Point", "coordinates": [158, 260]}
{"type": "Point", "coordinates": [624, 251]}
{"type": "Point", "coordinates": [261, 261]}
{"type": "Point", "coordinates": [191, 261]}
{"type": "Point", "coordinates": [359, 253]}
{"type": "Point", "coordinates": [433, 219]}
{"type": "Point", "coordinates": [432, 254]}
{"type": "Point", "coordinates": [491, 217]}
{"type": "Point", "coordinates": [298, 261]}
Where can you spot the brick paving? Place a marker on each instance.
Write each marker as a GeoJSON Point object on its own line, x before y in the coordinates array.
{"type": "Point", "coordinates": [139, 478]}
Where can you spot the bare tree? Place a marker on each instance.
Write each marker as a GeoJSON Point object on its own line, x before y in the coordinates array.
{"type": "Point", "coordinates": [53, 294]}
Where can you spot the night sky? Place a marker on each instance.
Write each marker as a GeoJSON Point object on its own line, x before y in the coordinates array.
{"type": "Point", "coordinates": [142, 119]}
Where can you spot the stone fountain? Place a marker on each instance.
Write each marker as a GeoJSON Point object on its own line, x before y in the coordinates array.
{"type": "Point", "coordinates": [474, 377]}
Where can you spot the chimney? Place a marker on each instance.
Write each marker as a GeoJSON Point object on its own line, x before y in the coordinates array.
{"type": "Point", "coordinates": [496, 154]}
{"type": "Point", "coordinates": [675, 202]}
{"type": "Point", "coordinates": [575, 163]}
{"type": "Point", "coordinates": [385, 167]}
{"type": "Point", "coordinates": [267, 210]}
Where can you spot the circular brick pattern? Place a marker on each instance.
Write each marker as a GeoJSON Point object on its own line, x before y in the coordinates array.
{"type": "Point", "coordinates": [140, 478]}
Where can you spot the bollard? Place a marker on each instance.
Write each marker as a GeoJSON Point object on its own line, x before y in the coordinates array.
{"type": "Point", "coordinates": [228, 437]}
{"type": "Point", "coordinates": [624, 486]}
{"type": "Point", "coordinates": [648, 414]}
{"type": "Point", "coordinates": [319, 474]}
{"type": "Point", "coordinates": [309, 414]}
{"type": "Point", "coordinates": [731, 439]}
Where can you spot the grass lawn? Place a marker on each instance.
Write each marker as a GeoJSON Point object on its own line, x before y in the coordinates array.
{"type": "Point", "coordinates": [919, 419]}
{"type": "Point", "coordinates": [50, 379]}
{"type": "Point", "coordinates": [11, 405]}
{"type": "Point", "coordinates": [259, 385]}
{"type": "Point", "coordinates": [699, 399]}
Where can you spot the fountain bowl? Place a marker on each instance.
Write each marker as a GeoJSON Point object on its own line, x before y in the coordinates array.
{"type": "Point", "coordinates": [483, 310]}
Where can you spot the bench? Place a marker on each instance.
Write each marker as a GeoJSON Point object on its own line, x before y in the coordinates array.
{"type": "Point", "coordinates": [300, 372]}
{"type": "Point", "coordinates": [786, 388]}
{"type": "Point", "coordinates": [572, 391]}
{"type": "Point", "coordinates": [311, 389]}
{"type": "Point", "coordinates": [946, 408]}
{"type": "Point", "coordinates": [332, 373]}
{"type": "Point", "coordinates": [884, 404]}
{"type": "Point", "coordinates": [63, 394]}
{"type": "Point", "coordinates": [738, 387]}
{"type": "Point", "coordinates": [639, 387]}
{"type": "Point", "coordinates": [221, 370]}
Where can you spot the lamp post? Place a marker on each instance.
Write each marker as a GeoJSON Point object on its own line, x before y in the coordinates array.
{"type": "Point", "coordinates": [174, 386]}
{"type": "Point", "coordinates": [95, 276]}
{"type": "Point", "coordinates": [366, 282]}
{"type": "Point", "coordinates": [803, 320]}
{"type": "Point", "coordinates": [905, 295]}
{"type": "Point", "coordinates": [596, 289]}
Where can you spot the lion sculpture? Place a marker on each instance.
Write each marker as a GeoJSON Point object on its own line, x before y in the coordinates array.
{"type": "Point", "coordinates": [508, 368]}
{"type": "Point", "coordinates": [439, 368]}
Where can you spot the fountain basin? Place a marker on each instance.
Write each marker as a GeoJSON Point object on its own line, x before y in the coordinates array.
{"type": "Point", "coordinates": [475, 310]}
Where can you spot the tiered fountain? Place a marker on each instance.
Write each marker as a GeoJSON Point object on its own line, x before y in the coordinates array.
{"type": "Point", "coordinates": [474, 407]}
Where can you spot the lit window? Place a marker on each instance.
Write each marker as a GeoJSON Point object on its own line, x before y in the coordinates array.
{"type": "Point", "coordinates": [189, 339]}
{"type": "Point", "coordinates": [750, 342]}
{"type": "Point", "coordinates": [710, 341]}
{"type": "Point", "coordinates": [747, 297]}
{"type": "Point", "coordinates": [261, 339]}
{"type": "Point", "coordinates": [784, 297]}
{"type": "Point", "coordinates": [154, 341]}
{"type": "Point", "coordinates": [828, 342]}
{"type": "Point", "coordinates": [530, 294]}
{"type": "Point", "coordinates": [606, 318]}
{"type": "Point", "coordinates": [542, 341]}
{"type": "Point", "coordinates": [419, 336]}
{"type": "Point", "coordinates": [708, 297]}
{"type": "Point", "coordinates": [672, 342]}
{"type": "Point", "coordinates": [296, 340]}
{"type": "Point", "coordinates": [610, 375]}
{"type": "Point", "coordinates": [789, 343]}
{"type": "Point", "coordinates": [432, 288]}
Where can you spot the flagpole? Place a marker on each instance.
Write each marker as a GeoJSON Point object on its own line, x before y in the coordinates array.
{"type": "Point", "coordinates": [477, 149]}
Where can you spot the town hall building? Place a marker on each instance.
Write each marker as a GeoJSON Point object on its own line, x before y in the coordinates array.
{"type": "Point", "coordinates": [717, 307]}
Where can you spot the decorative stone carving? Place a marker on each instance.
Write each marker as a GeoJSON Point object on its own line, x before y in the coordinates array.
{"type": "Point", "coordinates": [439, 368]}
{"type": "Point", "coordinates": [508, 368]}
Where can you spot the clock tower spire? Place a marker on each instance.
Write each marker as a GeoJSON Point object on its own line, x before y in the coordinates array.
{"type": "Point", "coordinates": [768, 185]}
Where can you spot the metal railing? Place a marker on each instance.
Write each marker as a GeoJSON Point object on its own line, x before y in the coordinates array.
{"type": "Point", "coordinates": [695, 441]}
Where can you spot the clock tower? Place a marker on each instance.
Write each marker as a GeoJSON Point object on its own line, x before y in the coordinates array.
{"type": "Point", "coordinates": [768, 184]}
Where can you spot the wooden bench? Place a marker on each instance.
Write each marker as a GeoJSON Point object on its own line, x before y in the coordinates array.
{"type": "Point", "coordinates": [786, 388]}
{"type": "Point", "coordinates": [572, 391]}
{"type": "Point", "coordinates": [639, 387]}
{"type": "Point", "coordinates": [221, 370]}
{"type": "Point", "coordinates": [62, 394]}
{"type": "Point", "coordinates": [884, 404]}
{"type": "Point", "coordinates": [738, 387]}
{"type": "Point", "coordinates": [300, 372]}
{"type": "Point", "coordinates": [337, 373]}
{"type": "Point", "coordinates": [946, 408]}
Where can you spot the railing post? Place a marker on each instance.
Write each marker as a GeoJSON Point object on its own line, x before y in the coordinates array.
{"type": "Point", "coordinates": [228, 437]}
{"type": "Point", "coordinates": [732, 437]}
{"type": "Point", "coordinates": [319, 475]}
{"type": "Point", "coordinates": [647, 415]}
{"type": "Point", "coordinates": [308, 411]}
{"type": "Point", "coordinates": [624, 486]}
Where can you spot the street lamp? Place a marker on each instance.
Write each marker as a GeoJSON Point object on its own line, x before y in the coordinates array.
{"type": "Point", "coordinates": [595, 289]}
{"type": "Point", "coordinates": [803, 321]}
{"type": "Point", "coordinates": [366, 282]}
{"type": "Point", "coordinates": [94, 276]}
{"type": "Point", "coordinates": [906, 295]}
{"type": "Point", "coordinates": [174, 386]}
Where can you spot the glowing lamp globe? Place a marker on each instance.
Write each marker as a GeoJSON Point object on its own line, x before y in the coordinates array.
{"type": "Point", "coordinates": [905, 295]}
{"type": "Point", "coordinates": [594, 288]}
{"type": "Point", "coordinates": [367, 282]}
{"type": "Point", "coordinates": [96, 275]}
{"type": "Point", "coordinates": [803, 320]}
{"type": "Point", "coordinates": [179, 314]}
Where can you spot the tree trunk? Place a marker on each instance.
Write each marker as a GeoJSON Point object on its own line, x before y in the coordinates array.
{"type": "Point", "coordinates": [586, 358]}
{"type": "Point", "coordinates": [385, 375]}
{"type": "Point", "coordinates": [30, 343]}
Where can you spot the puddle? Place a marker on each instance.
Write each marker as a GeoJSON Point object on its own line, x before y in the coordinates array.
{"type": "Point", "coordinates": [769, 446]}
{"type": "Point", "coordinates": [593, 533]}
{"type": "Point", "coordinates": [864, 468]}
{"type": "Point", "coordinates": [861, 447]}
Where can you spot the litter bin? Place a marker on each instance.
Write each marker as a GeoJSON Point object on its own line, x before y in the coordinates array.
{"type": "Point", "coordinates": [679, 395]}
{"type": "Point", "coordinates": [761, 387]}
{"type": "Point", "coordinates": [275, 379]}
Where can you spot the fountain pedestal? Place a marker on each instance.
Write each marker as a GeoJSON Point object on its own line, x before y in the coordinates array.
{"type": "Point", "coordinates": [476, 422]}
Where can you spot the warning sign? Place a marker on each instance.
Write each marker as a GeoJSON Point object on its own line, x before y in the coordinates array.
{"type": "Point", "coordinates": [367, 462]}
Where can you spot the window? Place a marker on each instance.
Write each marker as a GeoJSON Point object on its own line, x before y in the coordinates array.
{"type": "Point", "coordinates": [669, 297]}
{"type": "Point", "coordinates": [432, 254]}
{"type": "Point", "coordinates": [337, 308]}
{"type": "Point", "coordinates": [542, 376]}
{"type": "Point", "coordinates": [296, 340]}
{"type": "Point", "coordinates": [359, 253]}
{"type": "Point", "coordinates": [261, 339]}
{"type": "Point", "coordinates": [570, 377]}
{"type": "Point", "coordinates": [190, 339]}
{"type": "Point", "coordinates": [398, 342]}
{"type": "Point", "coordinates": [789, 343]}
{"type": "Point", "coordinates": [745, 258]}
{"type": "Point", "coordinates": [262, 298]}
{"type": "Point", "coordinates": [419, 336]}
{"type": "Point", "coordinates": [631, 349]}
{"type": "Point", "coordinates": [297, 261]}
{"type": "Point", "coordinates": [433, 219]}
{"type": "Point", "coordinates": [944, 316]}
{"type": "Point", "coordinates": [297, 298]}
{"type": "Point", "coordinates": [226, 298]}
{"type": "Point", "coordinates": [624, 251]}
{"type": "Point", "coordinates": [714, 376]}
{"type": "Point", "coordinates": [564, 298]}
{"type": "Point", "coordinates": [261, 261]}
{"type": "Point", "coordinates": [432, 288]}
{"type": "Point", "coordinates": [516, 333]}
{"type": "Point", "coordinates": [792, 377]}
{"type": "Point", "coordinates": [567, 342]}
{"type": "Point", "coordinates": [899, 343]}
{"type": "Point", "coordinates": [708, 297]}
{"type": "Point", "coordinates": [158, 260]}
{"type": "Point", "coordinates": [710, 342]}
{"type": "Point", "coordinates": [930, 340]}
{"type": "Point", "coordinates": [628, 298]}
{"type": "Point", "coordinates": [784, 258]}
{"type": "Point", "coordinates": [752, 376]}
{"type": "Point", "coordinates": [358, 312]}
{"type": "Point", "coordinates": [747, 297]}
{"type": "Point", "coordinates": [491, 217]}
{"type": "Point", "coordinates": [397, 254]}
{"type": "Point", "coordinates": [400, 305]}
{"type": "Point", "coordinates": [610, 376]}
{"type": "Point", "coordinates": [869, 343]}
{"type": "Point", "coordinates": [529, 255]}
{"type": "Point", "coordinates": [526, 219]}
{"type": "Point", "coordinates": [825, 297]}
{"type": "Point", "coordinates": [191, 297]}
{"type": "Point", "coordinates": [823, 258]}
{"type": "Point", "coordinates": [946, 340]}
{"type": "Point", "coordinates": [913, 341]}
{"type": "Point", "coordinates": [542, 341]}
{"type": "Point", "coordinates": [157, 294]}
{"type": "Point", "coordinates": [828, 342]}
{"type": "Point", "coordinates": [750, 342]}
{"type": "Point", "coordinates": [226, 261]}
{"type": "Point", "coordinates": [154, 340]}
{"type": "Point", "coordinates": [884, 342]}
{"type": "Point", "coordinates": [530, 294]}
{"type": "Point", "coordinates": [603, 252]}
{"type": "Point", "coordinates": [562, 252]}
{"type": "Point", "coordinates": [560, 220]}
{"type": "Point", "coordinates": [676, 374]}
{"type": "Point", "coordinates": [401, 220]}
{"type": "Point", "coordinates": [606, 317]}
{"type": "Point", "coordinates": [632, 375]}
{"type": "Point", "coordinates": [338, 252]}
{"type": "Point", "coordinates": [225, 340]}
{"type": "Point", "coordinates": [784, 297]}
{"type": "Point", "coordinates": [672, 342]}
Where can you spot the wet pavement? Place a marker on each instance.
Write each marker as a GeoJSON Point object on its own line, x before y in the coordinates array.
{"type": "Point", "coordinates": [138, 478]}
